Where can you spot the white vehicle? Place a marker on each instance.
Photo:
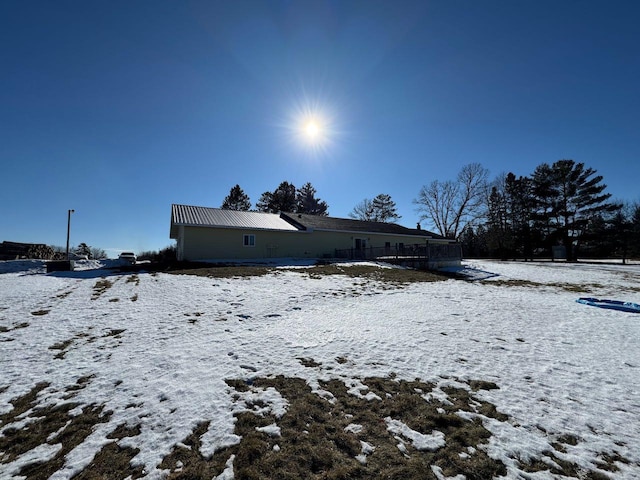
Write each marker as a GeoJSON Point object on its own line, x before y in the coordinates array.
{"type": "Point", "coordinates": [128, 257]}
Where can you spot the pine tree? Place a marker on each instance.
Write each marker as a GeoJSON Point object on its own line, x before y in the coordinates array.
{"type": "Point", "coordinates": [380, 209]}
{"type": "Point", "coordinates": [520, 205]}
{"type": "Point", "coordinates": [236, 200]}
{"type": "Point", "coordinates": [568, 197]}
{"type": "Point", "coordinates": [499, 229]}
{"type": "Point", "coordinates": [264, 202]}
{"type": "Point", "coordinates": [282, 199]}
{"type": "Point", "coordinates": [83, 249]}
{"type": "Point", "coordinates": [306, 201]}
{"type": "Point", "coordinates": [384, 208]}
{"type": "Point", "coordinates": [635, 229]}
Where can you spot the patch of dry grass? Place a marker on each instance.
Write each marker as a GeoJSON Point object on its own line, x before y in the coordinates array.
{"type": "Point", "coordinates": [316, 443]}
{"type": "Point", "coordinates": [309, 362]}
{"type": "Point", "coordinates": [64, 345]}
{"type": "Point", "coordinates": [101, 287]}
{"type": "Point", "coordinates": [583, 288]}
{"type": "Point", "coordinates": [384, 275]}
{"type": "Point", "coordinates": [52, 425]}
{"type": "Point", "coordinates": [317, 438]}
{"type": "Point", "coordinates": [4, 329]}
{"type": "Point", "coordinates": [394, 276]}
{"type": "Point", "coordinates": [225, 271]}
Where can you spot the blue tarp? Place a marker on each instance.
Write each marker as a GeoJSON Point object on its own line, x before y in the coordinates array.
{"type": "Point", "coordinates": [611, 304]}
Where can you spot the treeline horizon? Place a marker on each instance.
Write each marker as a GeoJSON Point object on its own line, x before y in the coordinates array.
{"type": "Point", "coordinates": [559, 207]}
{"type": "Point", "coordinates": [564, 204]}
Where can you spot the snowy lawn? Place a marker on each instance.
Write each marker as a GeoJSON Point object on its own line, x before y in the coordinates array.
{"type": "Point", "coordinates": [304, 373]}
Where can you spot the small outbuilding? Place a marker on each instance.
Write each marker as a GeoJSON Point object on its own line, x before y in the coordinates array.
{"type": "Point", "coordinates": [204, 233]}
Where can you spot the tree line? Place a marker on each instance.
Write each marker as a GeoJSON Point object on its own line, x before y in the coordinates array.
{"type": "Point", "coordinates": [561, 205]}
{"type": "Point", "coordinates": [287, 198]}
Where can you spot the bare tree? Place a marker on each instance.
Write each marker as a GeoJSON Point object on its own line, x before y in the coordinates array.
{"type": "Point", "coordinates": [451, 205]}
{"type": "Point", "coordinates": [97, 253]}
{"type": "Point", "coordinates": [363, 211]}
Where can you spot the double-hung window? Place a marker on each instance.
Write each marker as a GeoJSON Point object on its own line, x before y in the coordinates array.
{"type": "Point", "coordinates": [249, 240]}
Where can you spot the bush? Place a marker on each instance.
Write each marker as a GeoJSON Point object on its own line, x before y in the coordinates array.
{"type": "Point", "coordinates": [167, 254]}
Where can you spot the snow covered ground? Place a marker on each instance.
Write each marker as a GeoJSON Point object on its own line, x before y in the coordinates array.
{"type": "Point", "coordinates": [156, 349]}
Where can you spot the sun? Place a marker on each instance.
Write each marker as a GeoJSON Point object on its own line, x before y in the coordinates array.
{"type": "Point", "coordinates": [310, 125]}
{"type": "Point", "coordinates": [312, 130]}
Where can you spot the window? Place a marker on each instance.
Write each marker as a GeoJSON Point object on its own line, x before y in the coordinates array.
{"type": "Point", "coordinates": [249, 240]}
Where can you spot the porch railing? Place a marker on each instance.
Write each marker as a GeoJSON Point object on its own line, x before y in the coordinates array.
{"type": "Point", "coordinates": [431, 252]}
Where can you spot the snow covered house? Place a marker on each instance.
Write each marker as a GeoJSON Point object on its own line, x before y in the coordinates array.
{"type": "Point", "coordinates": [204, 233]}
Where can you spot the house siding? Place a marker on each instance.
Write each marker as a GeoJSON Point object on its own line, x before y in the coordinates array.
{"type": "Point", "coordinates": [210, 243]}
{"type": "Point", "coordinates": [203, 243]}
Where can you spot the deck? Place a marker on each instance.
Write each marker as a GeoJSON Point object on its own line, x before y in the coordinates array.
{"type": "Point", "coordinates": [420, 256]}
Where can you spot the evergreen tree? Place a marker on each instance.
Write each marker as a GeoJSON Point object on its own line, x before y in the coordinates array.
{"type": "Point", "coordinates": [621, 235]}
{"type": "Point", "coordinates": [597, 241]}
{"type": "Point", "coordinates": [282, 199]}
{"type": "Point", "coordinates": [635, 229]}
{"type": "Point", "coordinates": [568, 196]}
{"type": "Point", "coordinates": [264, 202]}
{"type": "Point", "coordinates": [236, 200]}
{"type": "Point", "coordinates": [499, 228]}
{"type": "Point", "coordinates": [306, 201]}
{"type": "Point", "coordinates": [519, 206]}
{"type": "Point", "coordinates": [380, 209]}
{"type": "Point", "coordinates": [474, 241]}
{"type": "Point", "coordinates": [83, 249]}
{"type": "Point", "coordinates": [384, 209]}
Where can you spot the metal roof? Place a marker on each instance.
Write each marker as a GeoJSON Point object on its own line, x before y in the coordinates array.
{"type": "Point", "coordinates": [216, 217]}
{"type": "Point", "coordinates": [290, 222]}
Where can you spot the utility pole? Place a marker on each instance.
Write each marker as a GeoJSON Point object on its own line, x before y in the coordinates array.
{"type": "Point", "coordinates": [68, 229]}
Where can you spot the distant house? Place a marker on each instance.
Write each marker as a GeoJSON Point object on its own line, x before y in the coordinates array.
{"type": "Point", "coordinates": [214, 234]}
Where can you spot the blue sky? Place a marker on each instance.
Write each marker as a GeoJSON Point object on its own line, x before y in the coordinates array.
{"type": "Point", "coordinates": [119, 109]}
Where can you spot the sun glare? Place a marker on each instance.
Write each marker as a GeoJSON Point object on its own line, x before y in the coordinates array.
{"type": "Point", "coordinates": [312, 130]}
{"type": "Point", "coordinates": [311, 126]}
